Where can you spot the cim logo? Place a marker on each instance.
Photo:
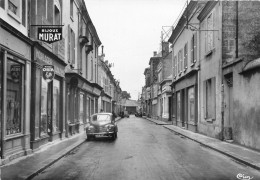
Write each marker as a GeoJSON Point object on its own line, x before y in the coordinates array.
{"type": "Point", "coordinates": [50, 34]}
{"type": "Point", "coordinates": [244, 177]}
{"type": "Point", "coordinates": [48, 72]}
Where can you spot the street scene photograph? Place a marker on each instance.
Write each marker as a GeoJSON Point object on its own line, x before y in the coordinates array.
{"type": "Point", "coordinates": [129, 90]}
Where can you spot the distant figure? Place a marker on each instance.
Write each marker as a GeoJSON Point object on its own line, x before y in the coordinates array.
{"type": "Point", "coordinates": [101, 110]}
{"type": "Point", "coordinates": [114, 115]}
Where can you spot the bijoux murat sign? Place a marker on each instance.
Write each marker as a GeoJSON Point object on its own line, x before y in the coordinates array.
{"type": "Point", "coordinates": [48, 72]}
{"type": "Point", "coordinates": [50, 34]}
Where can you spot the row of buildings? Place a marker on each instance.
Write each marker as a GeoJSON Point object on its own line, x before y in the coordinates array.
{"type": "Point", "coordinates": [208, 81]}
{"type": "Point", "coordinates": [32, 110]}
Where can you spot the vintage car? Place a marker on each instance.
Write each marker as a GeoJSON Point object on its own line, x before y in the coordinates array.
{"type": "Point", "coordinates": [102, 124]}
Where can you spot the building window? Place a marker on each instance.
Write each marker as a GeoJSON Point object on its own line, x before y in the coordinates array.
{"type": "Point", "coordinates": [14, 97]}
{"type": "Point", "coordinates": [191, 104]}
{"type": "Point", "coordinates": [209, 98]}
{"type": "Point", "coordinates": [2, 4]}
{"type": "Point", "coordinates": [185, 56]}
{"type": "Point", "coordinates": [72, 49]}
{"type": "Point", "coordinates": [1, 86]}
{"type": "Point", "coordinates": [81, 108]}
{"type": "Point", "coordinates": [176, 65]}
{"type": "Point", "coordinates": [56, 105]}
{"type": "Point", "coordinates": [92, 71]}
{"type": "Point", "coordinates": [178, 106]}
{"type": "Point", "coordinates": [71, 8]}
{"type": "Point", "coordinates": [180, 59]}
{"type": "Point", "coordinates": [44, 107]}
{"type": "Point", "coordinates": [210, 33]}
{"type": "Point", "coordinates": [193, 58]}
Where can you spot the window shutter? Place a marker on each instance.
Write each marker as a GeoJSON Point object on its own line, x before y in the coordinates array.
{"type": "Point", "coordinates": [2, 4]}
{"type": "Point", "coordinates": [192, 49]}
{"type": "Point", "coordinates": [214, 97]}
{"type": "Point", "coordinates": [73, 47]}
{"type": "Point", "coordinates": [195, 48]}
{"type": "Point", "coordinates": [24, 10]}
{"type": "Point", "coordinates": [69, 44]}
{"type": "Point", "coordinates": [205, 99]}
{"type": "Point", "coordinates": [185, 56]}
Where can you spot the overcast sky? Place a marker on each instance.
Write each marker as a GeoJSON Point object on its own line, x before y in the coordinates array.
{"type": "Point", "coordinates": [130, 31]}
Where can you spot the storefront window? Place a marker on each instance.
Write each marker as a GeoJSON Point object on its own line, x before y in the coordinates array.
{"type": "Point", "coordinates": [56, 105]}
{"type": "Point", "coordinates": [14, 97]}
{"type": "Point", "coordinates": [81, 108]}
{"type": "Point", "coordinates": [1, 76]}
{"type": "Point", "coordinates": [178, 106]}
{"type": "Point", "coordinates": [191, 105]}
{"type": "Point", "coordinates": [44, 117]}
{"type": "Point", "coordinates": [87, 109]}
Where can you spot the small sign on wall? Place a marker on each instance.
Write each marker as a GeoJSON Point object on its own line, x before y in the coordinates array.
{"type": "Point", "coordinates": [48, 72]}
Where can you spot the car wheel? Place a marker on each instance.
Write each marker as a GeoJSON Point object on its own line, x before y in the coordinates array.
{"type": "Point", "coordinates": [89, 137]}
{"type": "Point", "coordinates": [114, 136]}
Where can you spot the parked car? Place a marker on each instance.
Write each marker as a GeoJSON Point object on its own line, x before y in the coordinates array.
{"type": "Point", "coordinates": [126, 114]}
{"type": "Point", "coordinates": [138, 114]}
{"type": "Point", "coordinates": [102, 124]}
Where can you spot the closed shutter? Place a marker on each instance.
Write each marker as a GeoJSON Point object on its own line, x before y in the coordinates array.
{"type": "Point", "coordinates": [192, 50]}
{"type": "Point", "coordinates": [195, 48]}
{"type": "Point", "coordinates": [69, 44]}
{"type": "Point", "coordinates": [73, 47]}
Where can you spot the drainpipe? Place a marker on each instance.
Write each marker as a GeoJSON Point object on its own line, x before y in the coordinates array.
{"type": "Point", "coordinates": [222, 84]}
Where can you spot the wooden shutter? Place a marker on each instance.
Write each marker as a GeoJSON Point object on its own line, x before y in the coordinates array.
{"type": "Point", "coordinates": [195, 48]}
{"type": "Point", "coordinates": [2, 4]}
{"type": "Point", "coordinates": [192, 50]}
{"type": "Point", "coordinates": [69, 44]}
{"type": "Point", "coordinates": [73, 46]}
{"type": "Point", "coordinates": [186, 56]}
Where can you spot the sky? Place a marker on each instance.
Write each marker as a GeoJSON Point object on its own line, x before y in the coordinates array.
{"type": "Point", "coordinates": [130, 31]}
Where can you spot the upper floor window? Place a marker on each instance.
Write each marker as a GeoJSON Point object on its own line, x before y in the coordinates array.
{"type": "Point", "coordinates": [175, 65]}
{"type": "Point", "coordinates": [193, 57]}
{"type": "Point", "coordinates": [71, 8]}
{"type": "Point", "coordinates": [71, 46]}
{"type": "Point", "coordinates": [210, 32]}
{"type": "Point", "coordinates": [185, 56]}
{"type": "Point", "coordinates": [180, 63]}
{"type": "Point", "coordinates": [16, 9]}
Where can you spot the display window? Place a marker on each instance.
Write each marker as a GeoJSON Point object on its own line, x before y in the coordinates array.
{"type": "Point", "coordinates": [178, 106]}
{"type": "Point", "coordinates": [14, 99]}
{"type": "Point", "coordinates": [191, 104]}
{"type": "Point", "coordinates": [56, 105]}
{"type": "Point", "coordinates": [44, 108]}
{"type": "Point", "coordinates": [81, 108]}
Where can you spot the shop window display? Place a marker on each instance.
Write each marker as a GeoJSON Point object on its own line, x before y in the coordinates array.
{"type": "Point", "coordinates": [81, 109]}
{"type": "Point", "coordinates": [14, 97]}
{"type": "Point", "coordinates": [44, 117]}
{"type": "Point", "coordinates": [56, 105]}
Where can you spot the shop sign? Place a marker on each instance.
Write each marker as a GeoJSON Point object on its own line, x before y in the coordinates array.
{"type": "Point", "coordinates": [47, 60]}
{"type": "Point", "coordinates": [15, 72]}
{"type": "Point", "coordinates": [48, 72]}
{"type": "Point", "coordinates": [50, 35]}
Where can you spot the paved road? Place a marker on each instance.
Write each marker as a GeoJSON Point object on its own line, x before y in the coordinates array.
{"type": "Point", "coordinates": [145, 151]}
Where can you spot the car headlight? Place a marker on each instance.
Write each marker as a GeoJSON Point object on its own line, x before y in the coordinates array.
{"type": "Point", "coordinates": [109, 126]}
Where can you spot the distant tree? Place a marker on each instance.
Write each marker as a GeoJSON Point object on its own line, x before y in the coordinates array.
{"type": "Point", "coordinates": [125, 95]}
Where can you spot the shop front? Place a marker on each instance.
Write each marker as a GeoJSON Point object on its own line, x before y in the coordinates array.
{"type": "Point", "coordinates": [82, 102]}
{"type": "Point", "coordinates": [15, 66]}
{"type": "Point", "coordinates": [186, 98]}
{"type": "Point", "coordinates": [48, 97]}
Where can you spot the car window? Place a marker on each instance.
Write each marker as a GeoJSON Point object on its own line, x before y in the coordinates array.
{"type": "Point", "coordinates": [101, 117]}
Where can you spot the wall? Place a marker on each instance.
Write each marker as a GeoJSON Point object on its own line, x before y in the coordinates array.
{"type": "Point", "coordinates": [207, 61]}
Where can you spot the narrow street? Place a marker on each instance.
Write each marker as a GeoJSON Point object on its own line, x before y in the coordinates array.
{"type": "Point", "coordinates": [144, 150]}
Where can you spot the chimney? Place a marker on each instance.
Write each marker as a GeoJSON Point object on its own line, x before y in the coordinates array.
{"type": "Point", "coordinates": [102, 49]}
{"type": "Point", "coordinates": [165, 48]}
{"type": "Point", "coordinates": [154, 53]}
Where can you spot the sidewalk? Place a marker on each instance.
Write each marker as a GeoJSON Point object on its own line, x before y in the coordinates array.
{"type": "Point", "coordinates": [239, 153]}
{"type": "Point", "coordinates": [29, 166]}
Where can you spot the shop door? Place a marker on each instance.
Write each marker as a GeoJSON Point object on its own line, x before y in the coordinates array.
{"type": "Point", "coordinates": [182, 108]}
{"type": "Point", "coordinates": [49, 108]}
